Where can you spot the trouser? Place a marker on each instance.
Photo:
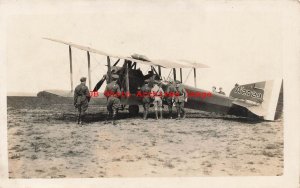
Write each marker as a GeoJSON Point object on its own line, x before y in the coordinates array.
{"type": "Point", "coordinates": [180, 108]}
{"type": "Point", "coordinates": [81, 114]}
{"type": "Point", "coordinates": [146, 107]}
{"type": "Point", "coordinates": [156, 114]}
{"type": "Point", "coordinates": [113, 104]}
{"type": "Point", "coordinates": [158, 107]}
{"type": "Point", "coordinates": [82, 106]}
{"type": "Point", "coordinates": [112, 114]}
{"type": "Point", "coordinates": [170, 107]}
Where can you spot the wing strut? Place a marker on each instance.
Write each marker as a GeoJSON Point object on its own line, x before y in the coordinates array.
{"type": "Point", "coordinates": [159, 70]}
{"type": "Point", "coordinates": [181, 75]}
{"type": "Point", "coordinates": [174, 74]}
{"type": "Point", "coordinates": [127, 79]}
{"type": "Point", "coordinates": [108, 70]}
{"type": "Point", "coordinates": [195, 77]}
{"type": "Point", "coordinates": [71, 68]}
{"type": "Point", "coordinates": [89, 69]}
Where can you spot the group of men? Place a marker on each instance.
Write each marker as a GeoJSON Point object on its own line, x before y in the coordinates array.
{"type": "Point", "coordinates": [154, 94]}
{"type": "Point", "coordinates": [82, 98]}
{"type": "Point", "coordinates": [174, 94]}
{"type": "Point", "coordinates": [214, 90]}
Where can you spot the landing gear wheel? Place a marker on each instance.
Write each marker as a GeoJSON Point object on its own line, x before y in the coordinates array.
{"type": "Point", "coordinates": [133, 110]}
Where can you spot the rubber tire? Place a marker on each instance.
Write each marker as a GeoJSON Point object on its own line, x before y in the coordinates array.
{"type": "Point", "coordinates": [133, 110]}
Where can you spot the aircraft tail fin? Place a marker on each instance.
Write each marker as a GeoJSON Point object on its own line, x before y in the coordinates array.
{"type": "Point", "coordinates": [264, 99]}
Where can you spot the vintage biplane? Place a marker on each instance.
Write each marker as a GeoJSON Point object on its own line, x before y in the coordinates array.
{"type": "Point", "coordinates": [261, 100]}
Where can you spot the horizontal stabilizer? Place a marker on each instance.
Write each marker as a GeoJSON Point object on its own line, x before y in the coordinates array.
{"type": "Point", "coordinates": [62, 94]}
{"type": "Point", "coordinates": [261, 98]}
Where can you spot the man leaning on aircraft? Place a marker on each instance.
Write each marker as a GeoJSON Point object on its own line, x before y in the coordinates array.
{"type": "Point", "coordinates": [112, 92]}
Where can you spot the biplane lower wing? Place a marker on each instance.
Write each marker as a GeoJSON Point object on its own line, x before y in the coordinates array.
{"type": "Point", "coordinates": [55, 93]}
{"type": "Point", "coordinates": [61, 96]}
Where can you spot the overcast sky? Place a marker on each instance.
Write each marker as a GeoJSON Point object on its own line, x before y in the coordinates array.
{"type": "Point", "coordinates": [241, 42]}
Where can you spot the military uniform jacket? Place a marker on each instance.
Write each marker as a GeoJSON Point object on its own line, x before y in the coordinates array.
{"type": "Point", "coordinates": [157, 92]}
{"type": "Point", "coordinates": [81, 95]}
{"type": "Point", "coordinates": [181, 94]}
{"type": "Point", "coordinates": [170, 92]}
{"type": "Point", "coordinates": [146, 93]}
{"type": "Point", "coordinates": [112, 90]}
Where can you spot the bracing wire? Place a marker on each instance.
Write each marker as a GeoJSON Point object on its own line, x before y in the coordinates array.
{"type": "Point", "coordinates": [169, 74]}
{"type": "Point", "coordinates": [75, 57]}
{"type": "Point", "coordinates": [188, 76]}
{"type": "Point", "coordinates": [96, 60]}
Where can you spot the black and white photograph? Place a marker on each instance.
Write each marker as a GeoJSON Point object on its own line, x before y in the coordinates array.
{"type": "Point", "coordinates": [149, 89]}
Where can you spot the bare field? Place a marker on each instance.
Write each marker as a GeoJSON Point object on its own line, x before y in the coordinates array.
{"type": "Point", "coordinates": [44, 141]}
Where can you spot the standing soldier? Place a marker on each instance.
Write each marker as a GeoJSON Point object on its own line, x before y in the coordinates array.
{"type": "Point", "coordinates": [221, 91]}
{"type": "Point", "coordinates": [214, 89]}
{"type": "Point", "coordinates": [81, 99]}
{"type": "Point", "coordinates": [180, 98]}
{"type": "Point", "coordinates": [170, 92]}
{"type": "Point", "coordinates": [146, 89]}
{"type": "Point", "coordinates": [113, 93]}
{"type": "Point", "coordinates": [157, 94]}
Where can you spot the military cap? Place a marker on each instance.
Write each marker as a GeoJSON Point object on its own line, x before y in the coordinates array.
{"type": "Point", "coordinates": [82, 79]}
{"type": "Point", "coordinates": [177, 83]}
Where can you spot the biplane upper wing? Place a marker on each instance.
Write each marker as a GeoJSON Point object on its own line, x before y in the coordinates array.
{"type": "Point", "coordinates": [169, 64]}
{"type": "Point", "coordinates": [92, 50]}
{"type": "Point", "coordinates": [176, 63]}
{"type": "Point", "coordinates": [193, 64]}
{"type": "Point", "coordinates": [161, 63]}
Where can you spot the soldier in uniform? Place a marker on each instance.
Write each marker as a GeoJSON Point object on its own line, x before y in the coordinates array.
{"type": "Point", "coordinates": [81, 99]}
{"type": "Point", "coordinates": [157, 94]}
{"type": "Point", "coordinates": [214, 89]}
{"type": "Point", "coordinates": [221, 91]}
{"type": "Point", "coordinates": [180, 98]}
{"type": "Point", "coordinates": [170, 93]}
{"type": "Point", "coordinates": [146, 89]}
{"type": "Point", "coordinates": [113, 93]}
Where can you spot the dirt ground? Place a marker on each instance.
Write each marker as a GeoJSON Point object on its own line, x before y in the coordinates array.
{"type": "Point", "coordinates": [45, 142]}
